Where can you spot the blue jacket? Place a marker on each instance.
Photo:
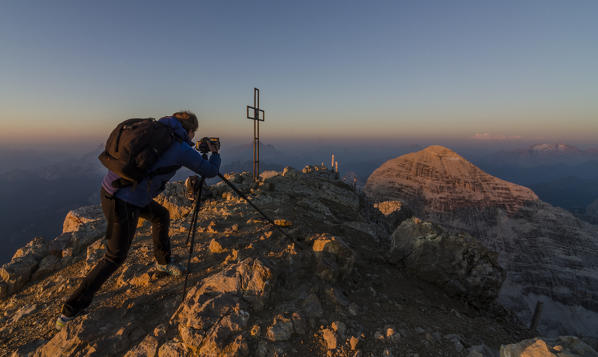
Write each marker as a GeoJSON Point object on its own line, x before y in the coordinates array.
{"type": "Point", "coordinates": [180, 153]}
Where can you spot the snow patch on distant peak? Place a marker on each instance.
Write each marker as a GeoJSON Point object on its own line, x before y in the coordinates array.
{"type": "Point", "coordinates": [553, 148]}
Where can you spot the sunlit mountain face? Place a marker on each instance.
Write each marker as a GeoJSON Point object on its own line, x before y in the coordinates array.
{"type": "Point", "coordinates": [548, 253]}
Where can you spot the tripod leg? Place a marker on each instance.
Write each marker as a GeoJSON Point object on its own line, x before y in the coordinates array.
{"type": "Point", "coordinates": [192, 233]}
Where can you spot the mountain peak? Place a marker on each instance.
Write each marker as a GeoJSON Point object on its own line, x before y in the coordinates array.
{"type": "Point", "coordinates": [438, 179]}
{"type": "Point", "coordinates": [553, 148]}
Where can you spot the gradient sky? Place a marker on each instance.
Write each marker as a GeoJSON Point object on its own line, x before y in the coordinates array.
{"type": "Point", "coordinates": [462, 70]}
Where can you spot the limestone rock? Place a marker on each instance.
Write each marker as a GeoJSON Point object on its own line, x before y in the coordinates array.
{"type": "Point", "coordinates": [335, 258]}
{"type": "Point", "coordinates": [172, 349]}
{"type": "Point", "coordinates": [353, 341]}
{"type": "Point", "coordinates": [289, 172]}
{"type": "Point", "coordinates": [215, 247]}
{"type": "Point", "coordinates": [81, 227]}
{"type": "Point", "coordinates": [133, 274]}
{"type": "Point", "coordinates": [148, 347]}
{"type": "Point", "coordinates": [94, 253]}
{"type": "Point", "coordinates": [36, 248]}
{"type": "Point", "coordinates": [81, 218]}
{"type": "Point", "coordinates": [214, 314]}
{"type": "Point", "coordinates": [394, 211]}
{"type": "Point", "coordinates": [47, 266]}
{"type": "Point", "coordinates": [81, 336]}
{"type": "Point", "coordinates": [456, 262]}
{"type": "Point", "coordinates": [17, 273]}
{"type": "Point", "coordinates": [280, 330]}
{"type": "Point", "coordinates": [550, 347]}
{"type": "Point", "coordinates": [330, 338]}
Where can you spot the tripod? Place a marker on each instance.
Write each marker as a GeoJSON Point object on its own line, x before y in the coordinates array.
{"type": "Point", "coordinates": [191, 234]}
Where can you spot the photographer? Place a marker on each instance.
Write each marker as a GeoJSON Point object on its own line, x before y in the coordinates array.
{"type": "Point", "coordinates": [123, 206]}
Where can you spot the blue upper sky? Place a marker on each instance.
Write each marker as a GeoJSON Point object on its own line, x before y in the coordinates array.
{"type": "Point", "coordinates": [491, 70]}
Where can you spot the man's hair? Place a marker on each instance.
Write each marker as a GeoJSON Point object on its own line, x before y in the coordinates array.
{"type": "Point", "coordinates": [187, 119]}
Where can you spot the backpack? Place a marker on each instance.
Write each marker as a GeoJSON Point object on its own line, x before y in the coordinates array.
{"type": "Point", "coordinates": [133, 148]}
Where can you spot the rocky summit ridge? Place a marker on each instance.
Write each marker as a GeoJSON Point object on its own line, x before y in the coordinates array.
{"type": "Point", "coordinates": [356, 280]}
{"type": "Point", "coordinates": [548, 254]}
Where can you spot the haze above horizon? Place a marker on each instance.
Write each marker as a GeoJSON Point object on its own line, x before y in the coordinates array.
{"type": "Point", "coordinates": [459, 71]}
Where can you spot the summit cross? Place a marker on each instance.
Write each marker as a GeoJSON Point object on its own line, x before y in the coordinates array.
{"type": "Point", "coordinates": [257, 115]}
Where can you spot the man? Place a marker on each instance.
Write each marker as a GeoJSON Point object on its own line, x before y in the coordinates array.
{"type": "Point", "coordinates": [123, 206]}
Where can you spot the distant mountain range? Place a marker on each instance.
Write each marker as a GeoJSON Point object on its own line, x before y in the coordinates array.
{"type": "Point", "coordinates": [35, 201]}
{"type": "Point", "coordinates": [543, 155]}
{"type": "Point", "coordinates": [560, 174]}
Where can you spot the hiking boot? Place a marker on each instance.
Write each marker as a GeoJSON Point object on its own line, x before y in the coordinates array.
{"type": "Point", "coordinates": [62, 320]}
{"type": "Point", "coordinates": [170, 269]}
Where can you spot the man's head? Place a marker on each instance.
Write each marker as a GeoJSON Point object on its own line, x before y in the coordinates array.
{"type": "Point", "coordinates": [189, 122]}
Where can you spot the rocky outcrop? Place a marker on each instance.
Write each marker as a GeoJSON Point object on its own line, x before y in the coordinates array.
{"type": "Point", "coordinates": [214, 315]}
{"type": "Point", "coordinates": [81, 227]}
{"type": "Point", "coordinates": [548, 254]}
{"type": "Point", "coordinates": [40, 258]}
{"type": "Point", "coordinates": [18, 272]}
{"type": "Point", "coordinates": [395, 212]}
{"type": "Point", "coordinates": [458, 263]}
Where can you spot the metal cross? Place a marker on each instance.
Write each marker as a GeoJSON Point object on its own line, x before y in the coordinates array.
{"type": "Point", "coordinates": [257, 115]}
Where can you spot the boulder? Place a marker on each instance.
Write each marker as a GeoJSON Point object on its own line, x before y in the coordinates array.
{"type": "Point", "coordinates": [214, 314]}
{"type": "Point", "coordinates": [81, 218]}
{"type": "Point", "coordinates": [330, 338]}
{"type": "Point", "coordinates": [16, 274]}
{"type": "Point", "coordinates": [335, 258]}
{"type": "Point", "coordinates": [81, 227]}
{"type": "Point", "coordinates": [550, 347]}
{"type": "Point", "coordinates": [394, 211]}
{"type": "Point", "coordinates": [457, 263]}
{"type": "Point", "coordinates": [280, 330]}
{"type": "Point", "coordinates": [290, 172]}
{"type": "Point", "coordinates": [37, 248]}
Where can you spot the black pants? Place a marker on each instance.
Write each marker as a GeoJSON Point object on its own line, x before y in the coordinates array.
{"type": "Point", "coordinates": [122, 220]}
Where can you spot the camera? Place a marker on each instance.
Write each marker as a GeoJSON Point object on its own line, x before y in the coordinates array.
{"type": "Point", "coordinates": [202, 145]}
